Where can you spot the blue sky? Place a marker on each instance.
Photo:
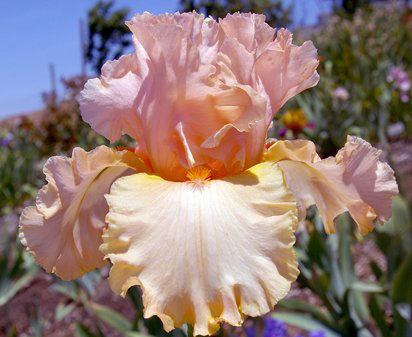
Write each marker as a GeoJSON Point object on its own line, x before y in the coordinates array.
{"type": "Point", "coordinates": [35, 33]}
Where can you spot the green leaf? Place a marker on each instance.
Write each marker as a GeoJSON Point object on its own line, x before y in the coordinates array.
{"type": "Point", "coordinates": [305, 106]}
{"type": "Point", "coordinates": [36, 323]}
{"type": "Point", "coordinates": [305, 307]}
{"type": "Point", "coordinates": [111, 317]}
{"type": "Point", "coordinates": [367, 287]}
{"type": "Point", "coordinates": [358, 309]}
{"type": "Point", "coordinates": [345, 253]}
{"type": "Point", "coordinates": [88, 281]}
{"type": "Point", "coordinates": [304, 322]}
{"type": "Point", "coordinates": [63, 310]}
{"type": "Point", "coordinates": [364, 332]}
{"type": "Point", "coordinates": [376, 269]}
{"type": "Point", "coordinates": [337, 284]}
{"type": "Point", "coordinates": [404, 310]}
{"type": "Point", "coordinates": [13, 286]}
{"type": "Point", "coordinates": [316, 249]}
{"type": "Point", "coordinates": [306, 280]}
{"type": "Point", "coordinates": [66, 288]}
{"type": "Point", "coordinates": [400, 223]}
{"type": "Point", "coordinates": [379, 316]}
{"type": "Point", "coordinates": [402, 293]}
{"type": "Point", "coordinates": [82, 331]}
{"type": "Point", "coordinates": [135, 334]}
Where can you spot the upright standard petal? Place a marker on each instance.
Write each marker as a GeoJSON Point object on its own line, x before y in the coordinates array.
{"type": "Point", "coordinates": [110, 103]}
{"type": "Point", "coordinates": [248, 29]}
{"type": "Point", "coordinates": [355, 180]}
{"type": "Point", "coordinates": [186, 87]}
{"type": "Point", "coordinates": [284, 70]}
{"type": "Point", "coordinates": [233, 253]}
{"type": "Point", "coordinates": [63, 230]}
{"type": "Point", "coordinates": [198, 92]}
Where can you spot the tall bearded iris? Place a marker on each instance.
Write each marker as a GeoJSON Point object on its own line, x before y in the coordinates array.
{"type": "Point", "coordinates": [201, 214]}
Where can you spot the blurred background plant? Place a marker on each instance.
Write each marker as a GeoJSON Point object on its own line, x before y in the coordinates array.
{"type": "Point", "coordinates": [277, 13]}
{"type": "Point", "coordinates": [364, 86]}
{"type": "Point", "coordinates": [348, 286]}
{"type": "Point", "coordinates": [108, 36]}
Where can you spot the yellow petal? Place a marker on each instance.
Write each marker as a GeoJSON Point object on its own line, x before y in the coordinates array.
{"type": "Point", "coordinates": [355, 180]}
{"type": "Point", "coordinates": [203, 252]}
{"type": "Point", "coordinates": [63, 230]}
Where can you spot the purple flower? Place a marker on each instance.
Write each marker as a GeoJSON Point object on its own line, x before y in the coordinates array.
{"type": "Point", "coordinates": [397, 74]}
{"type": "Point", "coordinates": [404, 98]}
{"type": "Point", "coordinates": [317, 333]}
{"type": "Point", "coordinates": [275, 328]}
{"type": "Point", "coordinates": [272, 328]}
{"type": "Point", "coordinates": [311, 125]}
{"type": "Point", "coordinates": [400, 79]}
{"type": "Point", "coordinates": [404, 85]}
{"type": "Point", "coordinates": [250, 331]}
{"type": "Point", "coordinates": [6, 140]}
{"type": "Point", "coordinates": [282, 132]}
{"type": "Point", "coordinates": [395, 130]}
{"type": "Point", "coordinates": [341, 93]}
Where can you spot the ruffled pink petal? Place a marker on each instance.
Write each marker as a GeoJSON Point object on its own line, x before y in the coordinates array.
{"type": "Point", "coordinates": [355, 180]}
{"type": "Point", "coordinates": [284, 70]}
{"type": "Point", "coordinates": [248, 29]}
{"type": "Point", "coordinates": [110, 103]}
{"type": "Point", "coordinates": [168, 42]}
{"type": "Point", "coordinates": [205, 103]}
{"type": "Point", "coordinates": [236, 110]}
{"type": "Point", "coordinates": [236, 60]}
{"type": "Point", "coordinates": [245, 36]}
{"type": "Point", "coordinates": [63, 230]}
{"type": "Point", "coordinates": [195, 92]}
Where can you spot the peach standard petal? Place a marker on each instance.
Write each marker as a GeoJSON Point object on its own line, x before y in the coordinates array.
{"type": "Point", "coordinates": [249, 29]}
{"type": "Point", "coordinates": [355, 180]}
{"type": "Point", "coordinates": [63, 230]}
{"type": "Point", "coordinates": [193, 105]}
{"type": "Point", "coordinates": [221, 249]}
{"type": "Point", "coordinates": [284, 70]}
{"type": "Point", "coordinates": [197, 91]}
{"type": "Point", "coordinates": [110, 103]}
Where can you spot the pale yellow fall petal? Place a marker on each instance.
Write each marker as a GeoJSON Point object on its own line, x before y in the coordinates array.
{"type": "Point", "coordinates": [63, 230]}
{"type": "Point", "coordinates": [203, 252]}
{"type": "Point", "coordinates": [355, 180]}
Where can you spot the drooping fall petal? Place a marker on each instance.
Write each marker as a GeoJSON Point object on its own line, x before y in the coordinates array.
{"type": "Point", "coordinates": [63, 230]}
{"type": "Point", "coordinates": [197, 91]}
{"type": "Point", "coordinates": [203, 252]}
{"type": "Point", "coordinates": [355, 180]}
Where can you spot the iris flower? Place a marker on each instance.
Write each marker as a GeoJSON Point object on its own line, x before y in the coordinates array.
{"type": "Point", "coordinates": [201, 214]}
